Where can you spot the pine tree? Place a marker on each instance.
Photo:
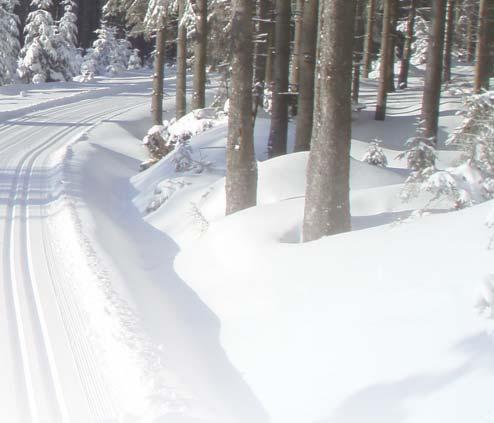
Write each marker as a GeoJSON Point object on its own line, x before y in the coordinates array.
{"type": "Point", "coordinates": [386, 60]}
{"type": "Point", "coordinates": [9, 41]}
{"type": "Point", "coordinates": [279, 117]}
{"type": "Point", "coordinates": [484, 38]}
{"type": "Point", "coordinates": [200, 53]}
{"type": "Point", "coordinates": [327, 202]}
{"type": "Point", "coordinates": [181, 102]}
{"type": "Point", "coordinates": [307, 63]}
{"type": "Point", "coordinates": [371, 20]}
{"type": "Point", "coordinates": [432, 83]}
{"type": "Point", "coordinates": [39, 58]}
{"type": "Point", "coordinates": [407, 47]}
{"type": "Point", "coordinates": [241, 175]}
{"type": "Point", "coordinates": [69, 58]}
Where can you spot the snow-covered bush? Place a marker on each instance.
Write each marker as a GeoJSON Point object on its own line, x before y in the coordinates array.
{"type": "Point", "coordinates": [108, 55]}
{"type": "Point", "coordinates": [38, 58]}
{"type": "Point", "coordinates": [471, 181]}
{"type": "Point", "coordinates": [9, 41]}
{"type": "Point", "coordinates": [175, 135]}
{"type": "Point", "coordinates": [156, 143]}
{"type": "Point", "coordinates": [475, 135]}
{"type": "Point", "coordinates": [375, 155]}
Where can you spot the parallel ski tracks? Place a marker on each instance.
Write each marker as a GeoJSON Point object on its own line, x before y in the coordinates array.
{"type": "Point", "coordinates": [30, 334]}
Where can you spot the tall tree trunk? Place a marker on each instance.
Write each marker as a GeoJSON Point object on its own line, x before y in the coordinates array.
{"type": "Point", "coordinates": [327, 202]}
{"type": "Point", "coordinates": [279, 115]}
{"type": "Point", "coordinates": [307, 65]}
{"type": "Point", "coordinates": [294, 77]}
{"type": "Point", "coordinates": [241, 171]}
{"type": "Point", "coordinates": [181, 102]}
{"type": "Point", "coordinates": [471, 29]}
{"type": "Point", "coordinates": [358, 48]}
{"type": "Point", "coordinates": [385, 62]}
{"type": "Point", "coordinates": [159, 65]}
{"type": "Point", "coordinates": [407, 48]}
{"type": "Point", "coordinates": [392, 45]}
{"type": "Point", "coordinates": [433, 73]}
{"type": "Point", "coordinates": [371, 20]}
{"type": "Point", "coordinates": [200, 54]}
{"type": "Point", "coordinates": [261, 51]}
{"type": "Point", "coordinates": [270, 45]}
{"type": "Point", "coordinates": [448, 39]}
{"type": "Point", "coordinates": [482, 67]}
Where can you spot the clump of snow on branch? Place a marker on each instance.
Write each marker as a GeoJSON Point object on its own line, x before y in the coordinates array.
{"type": "Point", "coordinates": [485, 298]}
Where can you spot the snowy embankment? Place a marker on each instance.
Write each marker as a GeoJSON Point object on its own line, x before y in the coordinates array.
{"type": "Point", "coordinates": [381, 324]}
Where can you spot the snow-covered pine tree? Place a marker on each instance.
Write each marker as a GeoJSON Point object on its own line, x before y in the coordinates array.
{"type": "Point", "coordinates": [109, 54]}
{"type": "Point", "coordinates": [38, 59]}
{"type": "Point", "coordinates": [9, 41]}
{"type": "Point", "coordinates": [69, 57]}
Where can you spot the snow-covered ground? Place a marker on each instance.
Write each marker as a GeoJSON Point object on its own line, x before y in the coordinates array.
{"type": "Point", "coordinates": [129, 297]}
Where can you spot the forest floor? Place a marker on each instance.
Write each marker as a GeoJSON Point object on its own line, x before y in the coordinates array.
{"type": "Point", "coordinates": [130, 297]}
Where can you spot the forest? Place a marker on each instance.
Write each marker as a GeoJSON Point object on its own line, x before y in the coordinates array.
{"type": "Point", "coordinates": [232, 211]}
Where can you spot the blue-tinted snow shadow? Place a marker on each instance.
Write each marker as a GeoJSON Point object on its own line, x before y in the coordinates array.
{"type": "Point", "coordinates": [388, 402]}
{"type": "Point", "coordinates": [170, 313]}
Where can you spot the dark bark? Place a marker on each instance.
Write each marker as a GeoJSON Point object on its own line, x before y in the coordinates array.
{"type": "Point", "coordinates": [241, 173]}
{"type": "Point", "coordinates": [327, 204]}
{"type": "Point", "coordinates": [433, 73]}
{"type": "Point", "coordinates": [279, 115]}
{"type": "Point", "coordinates": [471, 29]}
{"type": "Point", "coordinates": [261, 52]}
{"type": "Point", "coordinates": [159, 64]}
{"type": "Point", "coordinates": [448, 39]}
{"type": "Point", "coordinates": [295, 75]}
{"type": "Point", "coordinates": [385, 62]}
{"type": "Point", "coordinates": [270, 47]}
{"type": "Point", "coordinates": [307, 65]}
{"type": "Point", "coordinates": [358, 48]}
{"type": "Point", "coordinates": [482, 65]}
{"type": "Point", "coordinates": [392, 46]}
{"type": "Point", "coordinates": [200, 54]}
{"type": "Point", "coordinates": [407, 48]}
{"type": "Point", "coordinates": [371, 20]}
{"type": "Point", "coordinates": [181, 101]}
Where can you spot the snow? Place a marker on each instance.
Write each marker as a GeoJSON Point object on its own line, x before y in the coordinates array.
{"type": "Point", "coordinates": [150, 305]}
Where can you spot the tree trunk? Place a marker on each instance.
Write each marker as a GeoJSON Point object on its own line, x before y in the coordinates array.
{"type": "Point", "coordinates": [371, 19]}
{"type": "Point", "coordinates": [327, 203]}
{"type": "Point", "coordinates": [307, 65]}
{"type": "Point", "coordinates": [200, 54]}
{"type": "Point", "coordinates": [279, 115]}
{"type": "Point", "coordinates": [181, 102]}
{"type": "Point", "coordinates": [358, 48]}
{"type": "Point", "coordinates": [270, 46]}
{"type": "Point", "coordinates": [392, 46]}
{"type": "Point", "coordinates": [261, 52]}
{"type": "Point", "coordinates": [407, 48]}
{"type": "Point", "coordinates": [241, 171]}
{"type": "Point", "coordinates": [294, 77]}
{"type": "Point", "coordinates": [482, 68]}
{"type": "Point", "coordinates": [471, 29]}
{"type": "Point", "coordinates": [159, 65]}
{"type": "Point", "coordinates": [448, 40]}
{"type": "Point", "coordinates": [433, 73]}
{"type": "Point", "coordinates": [385, 62]}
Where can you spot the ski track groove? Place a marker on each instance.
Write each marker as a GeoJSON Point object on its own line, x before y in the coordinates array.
{"type": "Point", "coordinates": [71, 315]}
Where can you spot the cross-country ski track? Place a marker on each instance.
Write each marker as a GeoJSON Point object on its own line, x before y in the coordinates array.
{"type": "Point", "coordinates": [95, 326]}
{"type": "Point", "coordinates": [41, 325]}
